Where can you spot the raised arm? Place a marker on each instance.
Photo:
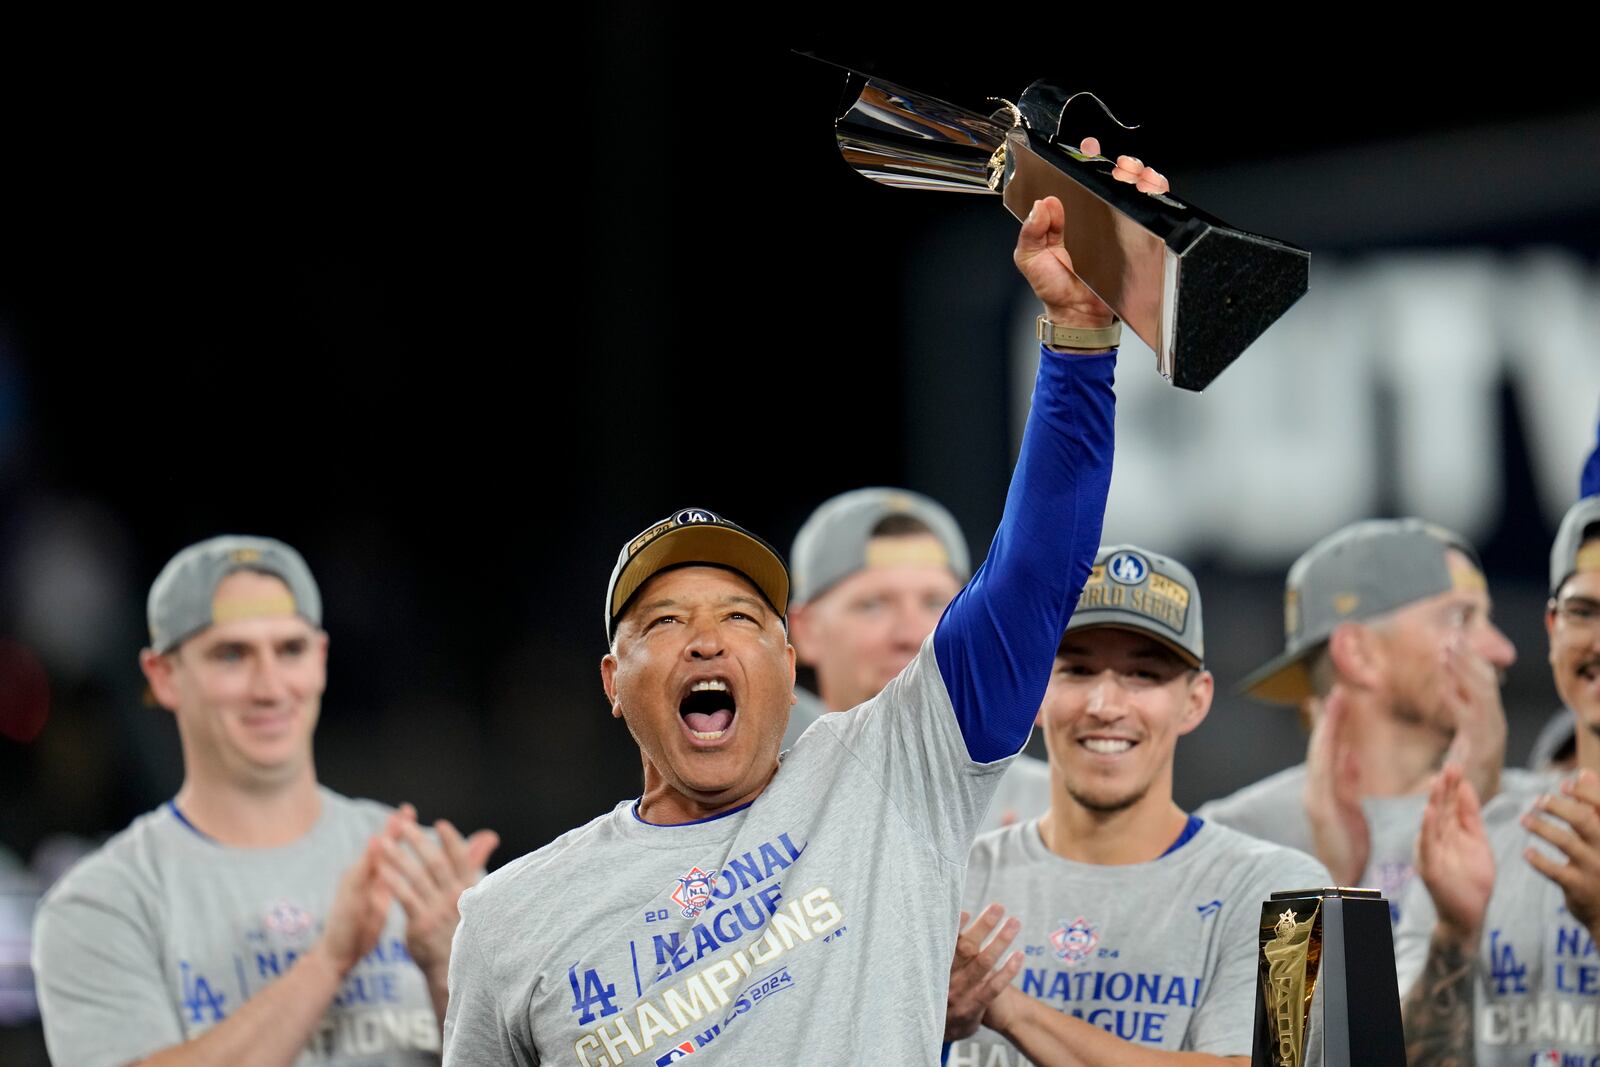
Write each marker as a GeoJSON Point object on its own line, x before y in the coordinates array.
{"type": "Point", "coordinates": [998, 638]}
{"type": "Point", "coordinates": [1589, 482]}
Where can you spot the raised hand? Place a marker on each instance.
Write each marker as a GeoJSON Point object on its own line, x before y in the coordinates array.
{"type": "Point", "coordinates": [1577, 806]}
{"type": "Point", "coordinates": [1332, 794]}
{"type": "Point", "coordinates": [1453, 856]}
{"type": "Point", "coordinates": [428, 878]}
{"type": "Point", "coordinates": [974, 980]}
{"type": "Point", "coordinates": [1044, 261]}
{"type": "Point", "coordinates": [1472, 694]}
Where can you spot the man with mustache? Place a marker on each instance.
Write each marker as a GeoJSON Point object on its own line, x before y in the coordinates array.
{"type": "Point", "coordinates": [1497, 946]}
{"type": "Point", "coordinates": [801, 911]}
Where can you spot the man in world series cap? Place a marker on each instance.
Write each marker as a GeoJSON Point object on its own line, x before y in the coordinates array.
{"type": "Point", "coordinates": [1497, 941]}
{"type": "Point", "coordinates": [873, 569]}
{"type": "Point", "coordinates": [1138, 921]}
{"type": "Point", "coordinates": [802, 911]}
{"type": "Point", "coordinates": [219, 929]}
{"type": "Point", "coordinates": [1388, 638]}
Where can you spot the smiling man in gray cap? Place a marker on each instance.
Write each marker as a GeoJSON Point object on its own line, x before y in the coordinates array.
{"type": "Point", "coordinates": [218, 928]}
{"type": "Point", "coordinates": [1138, 922]}
{"type": "Point", "coordinates": [1389, 641]}
{"type": "Point", "coordinates": [873, 570]}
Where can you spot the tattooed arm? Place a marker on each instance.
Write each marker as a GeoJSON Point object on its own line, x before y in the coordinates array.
{"type": "Point", "coordinates": [1438, 1010]}
{"type": "Point", "coordinates": [1456, 865]}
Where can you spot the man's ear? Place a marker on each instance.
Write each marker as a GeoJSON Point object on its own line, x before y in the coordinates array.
{"type": "Point", "coordinates": [1202, 689]}
{"type": "Point", "coordinates": [608, 682]}
{"type": "Point", "coordinates": [803, 633]}
{"type": "Point", "coordinates": [158, 671]}
{"type": "Point", "coordinates": [1356, 657]}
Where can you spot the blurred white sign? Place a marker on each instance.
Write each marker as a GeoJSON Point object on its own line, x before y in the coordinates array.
{"type": "Point", "coordinates": [1387, 372]}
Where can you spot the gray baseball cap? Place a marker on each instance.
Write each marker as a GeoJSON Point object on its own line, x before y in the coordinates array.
{"type": "Point", "coordinates": [1359, 572]}
{"type": "Point", "coordinates": [1132, 588]}
{"type": "Point", "coordinates": [836, 541]}
{"type": "Point", "coordinates": [180, 603]}
{"type": "Point", "coordinates": [695, 535]}
{"type": "Point", "coordinates": [1569, 555]}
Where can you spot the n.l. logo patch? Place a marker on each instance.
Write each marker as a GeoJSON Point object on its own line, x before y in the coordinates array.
{"type": "Point", "coordinates": [693, 892]}
{"type": "Point", "coordinates": [1074, 941]}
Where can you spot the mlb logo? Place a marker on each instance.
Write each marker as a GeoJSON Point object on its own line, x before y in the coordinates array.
{"type": "Point", "coordinates": [1074, 941]}
{"type": "Point", "coordinates": [694, 892]}
{"type": "Point", "coordinates": [676, 1053]}
{"type": "Point", "coordinates": [1550, 1056]}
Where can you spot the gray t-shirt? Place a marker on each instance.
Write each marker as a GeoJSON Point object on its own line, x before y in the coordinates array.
{"type": "Point", "coordinates": [163, 933]}
{"type": "Point", "coordinates": [1274, 809]}
{"type": "Point", "coordinates": [1162, 954]}
{"type": "Point", "coordinates": [814, 925]}
{"type": "Point", "coordinates": [1023, 792]}
{"type": "Point", "coordinates": [1537, 987]}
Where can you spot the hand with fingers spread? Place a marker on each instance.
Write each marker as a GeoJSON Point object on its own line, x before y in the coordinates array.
{"type": "Point", "coordinates": [1472, 695]}
{"type": "Point", "coordinates": [1570, 820]}
{"type": "Point", "coordinates": [1339, 830]}
{"type": "Point", "coordinates": [428, 878]}
{"type": "Point", "coordinates": [975, 981]}
{"type": "Point", "coordinates": [1454, 859]}
{"type": "Point", "coordinates": [1043, 259]}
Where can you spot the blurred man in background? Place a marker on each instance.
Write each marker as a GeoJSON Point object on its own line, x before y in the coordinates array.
{"type": "Point", "coordinates": [218, 928]}
{"type": "Point", "coordinates": [1389, 640]}
{"type": "Point", "coordinates": [873, 570]}
{"type": "Point", "coordinates": [1497, 943]}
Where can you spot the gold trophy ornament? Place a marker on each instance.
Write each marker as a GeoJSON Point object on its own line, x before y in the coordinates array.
{"type": "Point", "coordinates": [1337, 940]}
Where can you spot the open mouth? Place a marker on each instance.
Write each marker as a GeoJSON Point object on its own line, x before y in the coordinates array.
{"type": "Point", "coordinates": [708, 709]}
{"type": "Point", "coordinates": [1106, 746]}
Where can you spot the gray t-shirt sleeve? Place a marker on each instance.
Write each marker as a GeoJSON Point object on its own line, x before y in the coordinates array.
{"type": "Point", "coordinates": [908, 740]}
{"type": "Point", "coordinates": [475, 1030]}
{"type": "Point", "coordinates": [101, 991]}
{"type": "Point", "coordinates": [1224, 1022]}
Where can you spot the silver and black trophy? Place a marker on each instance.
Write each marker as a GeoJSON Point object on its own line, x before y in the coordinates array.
{"type": "Point", "coordinates": [1340, 940]}
{"type": "Point", "coordinates": [1195, 289]}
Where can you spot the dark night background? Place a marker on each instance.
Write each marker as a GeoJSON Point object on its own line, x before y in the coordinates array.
{"type": "Point", "coordinates": [457, 309]}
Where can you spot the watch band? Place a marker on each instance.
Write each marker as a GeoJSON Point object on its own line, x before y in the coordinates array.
{"type": "Point", "coordinates": [1086, 338]}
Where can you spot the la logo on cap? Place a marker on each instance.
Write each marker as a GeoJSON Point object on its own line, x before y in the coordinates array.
{"type": "Point", "coordinates": [690, 516]}
{"type": "Point", "coordinates": [1127, 567]}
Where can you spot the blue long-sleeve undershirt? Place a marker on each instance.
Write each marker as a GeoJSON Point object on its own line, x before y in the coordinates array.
{"type": "Point", "coordinates": [1589, 481]}
{"type": "Point", "coordinates": [998, 638]}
